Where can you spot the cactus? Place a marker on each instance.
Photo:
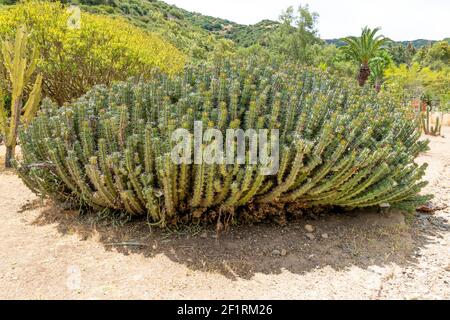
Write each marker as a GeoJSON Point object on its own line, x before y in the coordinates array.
{"type": "Point", "coordinates": [426, 124]}
{"type": "Point", "coordinates": [20, 73]}
{"type": "Point", "coordinates": [340, 145]}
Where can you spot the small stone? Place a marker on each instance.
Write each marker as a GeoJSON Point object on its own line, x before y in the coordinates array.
{"type": "Point", "coordinates": [310, 236]}
{"type": "Point", "coordinates": [204, 235]}
{"type": "Point", "coordinates": [276, 252]}
{"type": "Point", "coordinates": [283, 252]}
{"type": "Point", "coordinates": [384, 207]}
{"type": "Point", "coordinates": [325, 235]}
{"type": "Point", "coordinates": [309, 228]}
{"type": "Point", "coordinates": [428, 208]}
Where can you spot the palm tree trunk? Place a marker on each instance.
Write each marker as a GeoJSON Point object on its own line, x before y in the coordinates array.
{"type": "Point", "coordinates": [377, 85]}
{"type": "Point", "coordinates": [364, 73]}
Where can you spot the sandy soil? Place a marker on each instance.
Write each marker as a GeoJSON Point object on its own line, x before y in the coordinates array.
{"type": "Point", "coordinates": [48, 253]}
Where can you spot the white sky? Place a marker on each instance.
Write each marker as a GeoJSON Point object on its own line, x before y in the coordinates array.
{"type": "Point", "coordinates": [399, 19]}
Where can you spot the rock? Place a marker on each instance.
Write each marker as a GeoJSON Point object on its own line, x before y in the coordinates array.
{"type": "Point", "coordinates": [384, 207]}
{"type": "Point", "coordinates": [283, 252]}
{"type": "Point", "coordinates": [325, 235]}
{"type": "Point", "coordinates": [428, 208]}
{"type": "Point", "coordinates": [309, 228]}
{"type": "Point", "coordinates": [310, 236]}
{"type": "Point", "coordinates": [204, 235]}
{"type": "Point", "coordinates": [276, 253]}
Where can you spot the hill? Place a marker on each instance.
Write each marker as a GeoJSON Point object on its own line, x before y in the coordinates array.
{"type": "Point", "coordinates": [192, 32]}
{"type": "Point", "coordinates": [419, 43]}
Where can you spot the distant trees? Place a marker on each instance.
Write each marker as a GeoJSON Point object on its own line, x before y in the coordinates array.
{"type": "Point", "coordinates": [402, 54]}
{"type": "Point", "coordinates": [426, 77]}
{"type": "Point", "coordinates": [416, 82]}
{"type": "Point", "coordinates": [436, 57]}
{"type": "Point", "coordinates": [364, 48]}
{"type": "Point", "coordinates": [297, 34]}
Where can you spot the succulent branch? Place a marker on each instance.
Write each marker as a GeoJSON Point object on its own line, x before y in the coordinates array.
{"type": "Point", "coordinates": [20, 71]}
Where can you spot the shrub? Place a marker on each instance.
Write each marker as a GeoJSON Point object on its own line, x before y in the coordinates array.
{"type": "Point", "coordinates": [101, 51]}
{"type": "Point", "coordinates": [339, 145]}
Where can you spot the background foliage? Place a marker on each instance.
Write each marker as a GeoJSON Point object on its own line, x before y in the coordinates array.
{"type": "Point", "coordinates": [102, 50]}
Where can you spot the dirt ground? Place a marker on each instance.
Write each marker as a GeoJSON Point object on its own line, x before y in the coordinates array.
{"type": "Point", "coordinates": [49, 253]}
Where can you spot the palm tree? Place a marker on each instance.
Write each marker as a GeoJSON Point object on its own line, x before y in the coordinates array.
{"type": "Point", "coordinates": [377, 67]}
{"type": "Point", "coordinates": [364, 48]}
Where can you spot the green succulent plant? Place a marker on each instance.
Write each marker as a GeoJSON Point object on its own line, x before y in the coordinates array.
{"type": "Point", "coordinates": [20, 70]}
{"type": "Point", "coordinates": [340, 145]}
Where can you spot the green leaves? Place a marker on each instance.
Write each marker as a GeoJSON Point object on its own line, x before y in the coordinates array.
{"type": "Point", "coordinates": [102, 51]}
{"type": "Point", "coordinates": [365, 47]}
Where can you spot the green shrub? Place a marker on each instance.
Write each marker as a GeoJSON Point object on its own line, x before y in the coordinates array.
{"type": "Point", "coordinates": [339, 145]}
{"type": "Point", "coordinates": [99, 50]}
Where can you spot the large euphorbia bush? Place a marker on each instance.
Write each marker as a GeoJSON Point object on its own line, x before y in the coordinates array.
{"type": "Point", "coordinates": [339, 145]}
{"type": "Point", "coordinates": [78, 52]}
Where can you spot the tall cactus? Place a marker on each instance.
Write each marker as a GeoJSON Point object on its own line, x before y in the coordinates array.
{"type": "Point", "coordinates": [20, 71]}
{"type": "Point", "coordinates": [426, 123]}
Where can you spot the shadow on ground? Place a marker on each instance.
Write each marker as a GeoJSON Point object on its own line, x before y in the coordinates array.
{"type": "Point", "coordinates": [361, 239]}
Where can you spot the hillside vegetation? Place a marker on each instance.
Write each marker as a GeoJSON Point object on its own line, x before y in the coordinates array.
{"type": "Point", "coordinates": [194, 32]}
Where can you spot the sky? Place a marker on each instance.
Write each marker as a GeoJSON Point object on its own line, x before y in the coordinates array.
{"type": "Point", "coordinates": [399, 19]}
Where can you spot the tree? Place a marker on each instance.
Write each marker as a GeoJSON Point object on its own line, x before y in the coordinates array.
{"type": "Point", "coordinates": [377, 67]}
{"type": "Point", "coordinates": [402, 54]}
{"type": "Point", "coordinates": [20, 69]}
{"type": "Point", "coordinates": [362, 49]}
{"type": "Point", "coordinates": [437, 56]}
{"type": "Point", "coordinates": [296, 34]}
{"type": "Point", "coordinates": [415, 82]}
